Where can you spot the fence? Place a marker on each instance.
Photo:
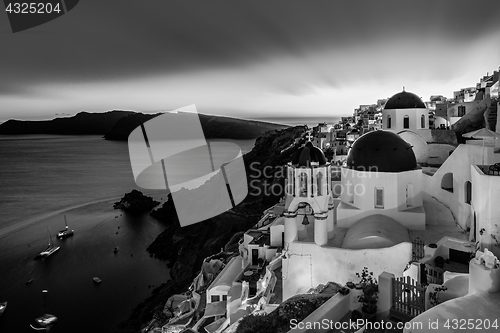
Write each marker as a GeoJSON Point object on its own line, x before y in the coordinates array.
{"type": "Point", "coordinates": [409, 296]}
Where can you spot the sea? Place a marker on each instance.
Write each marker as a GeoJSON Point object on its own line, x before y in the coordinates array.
{"type": "Point", "coordinates": [45, 179]}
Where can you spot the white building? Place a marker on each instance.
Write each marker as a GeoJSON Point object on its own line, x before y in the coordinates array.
{"type": "Point", "coordinates": [406, 115]}
{"type": "Point", "coordinates": [316, 250]}
{"type": "Point", "coordinates": [382, 178]}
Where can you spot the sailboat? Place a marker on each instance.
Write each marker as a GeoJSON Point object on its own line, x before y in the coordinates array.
{"type": "Point", "coordinates": [49, 250]}
{"type": "Point", "coordinates": [45, 321]}
{"type": "Point", "coordinates": [3, 306]}
{"type": "Point", "coordinates": [65, 232]}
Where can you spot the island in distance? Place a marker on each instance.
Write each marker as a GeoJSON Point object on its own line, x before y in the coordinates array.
{"type": "Point", "coordinates": [117, 125]}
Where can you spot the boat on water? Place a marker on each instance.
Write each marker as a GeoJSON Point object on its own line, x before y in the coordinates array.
{"type": "Point", "coordinates": [3, 306]}
{"type": "Point", "coordinates": [51, 249]}
{"type": "Point", "coordinates": [66, 232]}
{"type": "Point", "coordinates": [43, 322]}
{"type": "Point", "coordinates": [29, 281]}
{"type": "Point", "coordinates": [115, 250]}
{"type": "Point", "coordinates": [96, 279]}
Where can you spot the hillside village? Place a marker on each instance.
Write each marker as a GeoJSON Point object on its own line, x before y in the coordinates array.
{"type": "Point", "coordinates": [387, 222]}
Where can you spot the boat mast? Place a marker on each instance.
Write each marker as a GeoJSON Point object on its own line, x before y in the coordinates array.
{"type": "Point", "coordinates": [50, 238]}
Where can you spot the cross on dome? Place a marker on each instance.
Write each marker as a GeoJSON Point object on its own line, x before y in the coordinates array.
{"type": "Point", "coordinates": [309, 136]}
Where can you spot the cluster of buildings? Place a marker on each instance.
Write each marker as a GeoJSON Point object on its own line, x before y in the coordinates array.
{"type": "Point", "coordinates": [468, 107]}
{"type": "Point", "coordinates": [408, 202]}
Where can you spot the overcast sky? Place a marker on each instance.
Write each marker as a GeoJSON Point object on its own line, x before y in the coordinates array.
{"type": "Point", "coordinates": [249, 59]}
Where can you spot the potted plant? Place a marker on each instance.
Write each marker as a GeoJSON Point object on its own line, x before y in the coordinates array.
{"type": "Point", "coordinates": [369, 295]}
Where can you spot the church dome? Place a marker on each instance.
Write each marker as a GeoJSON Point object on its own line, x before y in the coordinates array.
{"type": "Point", "coordinates": [381, 151]}
{"type": "Point", "coordinates": [404, 100]}
{"type": "Point", "coordinates": [305, 156]}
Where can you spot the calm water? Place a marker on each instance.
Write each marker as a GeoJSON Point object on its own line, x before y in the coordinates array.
{"type": "Point", "coordinates": [44, 177]}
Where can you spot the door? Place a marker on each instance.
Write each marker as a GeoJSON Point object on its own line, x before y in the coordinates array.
{"type": "Point", "coordinates": [459, 256]}
{"type": "Point", "coordinates": [255, 256]}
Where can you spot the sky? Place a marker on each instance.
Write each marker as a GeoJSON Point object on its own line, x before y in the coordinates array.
{"type": "Point", "coordinates": [251, 59]}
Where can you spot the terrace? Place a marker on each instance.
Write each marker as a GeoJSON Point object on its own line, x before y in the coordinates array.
{"type": "Point", "coordinates": [490, 170]}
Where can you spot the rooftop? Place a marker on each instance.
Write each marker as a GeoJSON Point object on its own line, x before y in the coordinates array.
{"type": "Point", "coordinates": [263, 239]}
{"type": "Point", "coordinates": [404, 100]}
{"type": "Point", "coordinates": [381, 151]}
{"type": "Point", "coordinates": [228, 274]}
{"type": "Point", "coordinates": [308, 155]}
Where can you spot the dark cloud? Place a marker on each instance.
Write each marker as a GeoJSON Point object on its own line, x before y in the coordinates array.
{"type": "Point", "coordinates": [128, 38]}
{"type": "Point", "coordinates": [122, 40]}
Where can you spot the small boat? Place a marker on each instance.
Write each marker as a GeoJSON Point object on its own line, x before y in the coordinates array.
{"type": "Point", "coordinates": [96, 279]}
{"type": "Point", "coordinates": [51, 249]}
{"type": "Point", "coordinates": [43, 322]}
{"type": "Point", "coordinates": [29, 281]}
{"type": "Point", "coordinates": [115, 250]}
{"type": "Point", "coordinates": [3, 306]}
{"type": "Point", "coordinates": [65, 232]}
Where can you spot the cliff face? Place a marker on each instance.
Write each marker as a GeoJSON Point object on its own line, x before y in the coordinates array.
{"type": "Point", "coordinates": [185, 248]}
{"type": "Point", "coordinates": [125, 125]}
{"type": "Point", "coordinates": [213, 127]}
{"type": "Point", "coordinates": [471, 121]}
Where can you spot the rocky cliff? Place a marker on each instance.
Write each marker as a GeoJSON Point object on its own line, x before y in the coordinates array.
{"type": "Point", "coordinates": [135, 202]}
{"type": "Point", "coordinates": [213, 127]}
{"type": "Point", "coordinates": [185, 248]}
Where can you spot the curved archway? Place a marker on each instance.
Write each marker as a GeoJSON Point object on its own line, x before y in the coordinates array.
{"type": "Point", "coordinates": [303, 184]}
{"type": "Point", "coordinates": [305, 222]}
{"type": "Point", "coordinates": [447, 182]}
{"type": "Point", "coordinates": [319, 183]}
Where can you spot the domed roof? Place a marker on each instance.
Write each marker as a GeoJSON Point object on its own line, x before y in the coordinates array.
{"type": "Point", "coordinates": [308, 154]}
{"type": "Point", "coordinates": [404, 100]}
{"type": "Point", "coordinates": [374, 232]}
{"type": "Point", "coordinates": [381, 151]}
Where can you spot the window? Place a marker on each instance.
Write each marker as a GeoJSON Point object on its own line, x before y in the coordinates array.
{"type": "Point", "coordinates": [406, 122]}
{"type": "Point", "coordinates": [215, 298]}
{"type": "Point", "coordinates": [319, 179]}
{"type": "Point", "coordinates": [468, 192]}
{"type": "Point", "coordinates": [409, 195]}
{"type": "Point", "coordinates": [422, 121]}
{"type": "Point", "coordinates": [461, 111]}
{"type": "Point", "coordinates": [224, 297]}
{"type": "Point", "coordinates": [291, 183]}
{"type": "Point", "coordinates": [388, 121]}
{"type": "Point", "coordinates": [447, 182]}
{"type": "Point", "coordinates": [303, 184]}
{"type": "Point", "coordinates": [379, 197]}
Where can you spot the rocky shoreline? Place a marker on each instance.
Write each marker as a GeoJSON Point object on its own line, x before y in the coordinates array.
{"type": "Point", "coordinates": [185, 248]}
{"type": "Point", "coordinates": [136, 202]}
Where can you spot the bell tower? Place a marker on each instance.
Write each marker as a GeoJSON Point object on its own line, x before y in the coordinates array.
{"type": "Point", "coordinates": [308, 196]}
